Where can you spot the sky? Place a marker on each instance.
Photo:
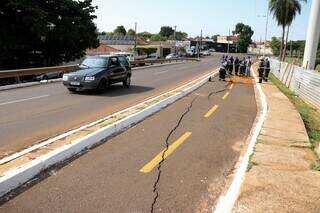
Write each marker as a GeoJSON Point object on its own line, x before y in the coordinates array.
{"type": "Point", "coordinates": [190, 16]}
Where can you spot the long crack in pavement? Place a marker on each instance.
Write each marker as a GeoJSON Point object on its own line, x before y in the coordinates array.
{"type": "Point", "coordinates": [219, 91]}
{"type": "Point", "coordinates": [155, 186]}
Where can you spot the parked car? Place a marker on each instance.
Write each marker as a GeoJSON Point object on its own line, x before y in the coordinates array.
{"type": "Point", "coordinates": [206, 53]}
{"type": "Point", "coordinates": [153, 56]}
{"type": "Point", "coordinates": [48, 76]}
{"type": "Point", "coordinates": [172, 56]}
{"type": "Point", "coordinates": [98, 72]}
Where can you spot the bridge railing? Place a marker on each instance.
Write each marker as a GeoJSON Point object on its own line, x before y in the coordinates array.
{"type": "Point", "coordinates": [68, 68]}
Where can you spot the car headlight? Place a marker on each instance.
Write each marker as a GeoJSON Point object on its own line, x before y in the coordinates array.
{"type": "Point", "coordinates": [65, 78]}
{"type": "Point", "coordinates": [89, 78]}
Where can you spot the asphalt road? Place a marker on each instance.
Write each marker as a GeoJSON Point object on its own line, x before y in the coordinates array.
{"type": "Point", "coordinates": [33, 114]}
{"type": "Point", "coordinates": [205, 132]}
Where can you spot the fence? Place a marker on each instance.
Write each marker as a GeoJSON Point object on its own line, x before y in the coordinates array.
{"type": "Point", "coordinates": [305, 83]}
{"type": "Point", "coordinates": [68, 68]}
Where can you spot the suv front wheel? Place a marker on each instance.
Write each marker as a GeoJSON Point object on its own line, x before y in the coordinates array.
{"type": "Point", "coordinates": [127, 82]}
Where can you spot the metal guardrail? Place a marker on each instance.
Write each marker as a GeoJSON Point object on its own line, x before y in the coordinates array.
{"type": "Point", "coordinates": [305, 83]}
{"type": "Point", "coordinates": [68, 68]}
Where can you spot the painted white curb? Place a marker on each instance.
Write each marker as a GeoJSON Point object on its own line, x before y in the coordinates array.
{"type": "Point", "coordinates": [226, 202]}
{"type": "Point", "coordinates": [21, 175]}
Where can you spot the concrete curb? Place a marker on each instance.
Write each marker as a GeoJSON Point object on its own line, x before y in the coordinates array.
{"type": "Point", "coordinates": [20, 175]}
{"type": "Point", "coordinates": [226, 201]}
{"type": "Point", "coordinates": [29, 84]}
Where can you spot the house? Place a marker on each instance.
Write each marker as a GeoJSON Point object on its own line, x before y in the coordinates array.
{"type": "Point", "coordinates": [103, 49]}
{"type": "Point", "coordinates": [113, 43]}
{"type": "Point", "coordinates": [260, 48]}
{"type": "Point", "coordinates": [227, 39]}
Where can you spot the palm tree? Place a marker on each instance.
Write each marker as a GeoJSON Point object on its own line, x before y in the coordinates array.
{"type": "Point", "coordinates": [284, 11]}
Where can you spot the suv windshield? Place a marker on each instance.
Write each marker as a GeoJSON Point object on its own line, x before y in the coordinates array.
{"type": "Point", "coordinates": [94, 62]}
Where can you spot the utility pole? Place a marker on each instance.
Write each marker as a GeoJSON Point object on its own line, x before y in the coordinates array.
{"type": "Point", "coordinates": [175, 40]}
{"type": "Point", "coordinates": [201, 40]}
{"type": "Point", "coordinates": [135, 38]}
{"type": "Point", "coordinates": [266, 33]}
{"type": "Point", "coordinates": [313, 33]}
{"type": "Point", "coordinates": [228, 50]}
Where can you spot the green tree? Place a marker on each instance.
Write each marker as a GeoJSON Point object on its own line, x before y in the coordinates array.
{"type": "Point", "coordinates": [120, 31]}
{"type": "Point", "coordinates": [244, 33]}
{"type": "Point", "coordinates": [73, 31]}
{"type": "Point", "coordinates": [284, 11]}
{"type": "Point", "coordinates": [131, 32]}
{"type": "Point", "coordinates": [157, 37]}
{"type": "Point", "coordinates": [166, 31]}
{"type": "Point", "coordinates": [215, 37]}
{"type": "Point", "coordinates": [37, 33]}
{"type": "Point", "coordinates": [181, 36]}
{"type": "Point", "coordinates": [275, 46]}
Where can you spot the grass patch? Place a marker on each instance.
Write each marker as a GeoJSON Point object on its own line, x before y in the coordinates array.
{"type": "Point", "coordinates": [315, 167]}
{"type": "Point", "coordinates": [310, 116]}
{"type": "Point", "coordinates": [293, 60]}
{"type": "Point", "coordinates": [251, 163]}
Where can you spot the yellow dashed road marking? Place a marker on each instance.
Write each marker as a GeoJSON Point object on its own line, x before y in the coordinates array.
{"type": "Point", "coordinates": [225, 96]}
{"type": "Point", "coordinates": [156, 160]}
{"type": "Point", "coordinates": [211, 111]}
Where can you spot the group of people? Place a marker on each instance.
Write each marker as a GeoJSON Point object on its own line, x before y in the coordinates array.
{"type": "Point", "coordinates": [234, 66]}
{"type": "Point", "coordinates": [231, 65]}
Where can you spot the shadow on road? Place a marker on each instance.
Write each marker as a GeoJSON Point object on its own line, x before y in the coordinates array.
{"type": "Point", "coordinates": [118, 90]}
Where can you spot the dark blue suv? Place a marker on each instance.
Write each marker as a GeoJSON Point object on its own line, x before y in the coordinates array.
{"type": "Point", "coordinates": [98, 72]}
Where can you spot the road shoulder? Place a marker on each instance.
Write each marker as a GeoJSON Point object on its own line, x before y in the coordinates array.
{"type": "Point", "coordinates": [279, 178]}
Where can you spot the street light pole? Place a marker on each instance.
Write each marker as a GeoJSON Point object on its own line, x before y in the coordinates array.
{"type": "Point", "coordinates": [228, 50]}
{"type": "Point", "coordinates": [135, 38]}
{"type": "Point", "coordinates": [313, 34]}
{"type": "Point", "coordinates": [266, 33]}
{"type": "Point", "coordinates": [175, 40]}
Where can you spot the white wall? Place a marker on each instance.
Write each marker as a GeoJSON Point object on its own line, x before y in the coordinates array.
{"type": "Point", "coordinates": [305, 83]}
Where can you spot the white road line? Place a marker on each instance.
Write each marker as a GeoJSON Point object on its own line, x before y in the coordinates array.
{"type": "Point", "coordinates": [158, 73]}
{"type": "Point", "coordinates": [21, 100]}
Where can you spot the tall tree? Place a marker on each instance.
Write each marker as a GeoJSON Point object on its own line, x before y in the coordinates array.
{"type": "Point", "coordinates": [166, 31]}
{"type": "Point", "coordinates": [284, 11]}
{"type": "Point", "coordinates": [181, 36]}
{"type": "Point", "coordinates": [131, 32]}
{"type": "Point", "coordinates": [244, 33]}
{"type": "Point", "coordinates": [275, 46]}
{"type": "Point", "coordinates": [37, 33]}
{"type": "Point", "coordinates": [215, 37]}
{"type": "Point", "coordinates": [120, 31]}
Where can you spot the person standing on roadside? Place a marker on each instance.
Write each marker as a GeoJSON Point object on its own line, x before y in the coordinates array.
{"type": "Point", "coordinates": [231, 65]}
{"type": "Point", "coordinates": [236, 65]}
{"type": "Point", "coordinates": [261, 69]}
{"type": "Point", "coordinates": [242, 66]}
{"type": "Point", "coordinates": [222, 71]}
{"type": "Point", "coordinates": [266, 69]}
{"type": "Point", "coordinates": [248, 66]}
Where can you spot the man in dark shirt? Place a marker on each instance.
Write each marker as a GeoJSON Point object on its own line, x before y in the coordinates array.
{"type": "Point", "coordinates": [223, 72]}
{"type": "Point", "coordinates": [236, 65]}
{"type": "Point", "coordinates": [266, 69]}
{"type": "Point", "coordinates": [261, 69]}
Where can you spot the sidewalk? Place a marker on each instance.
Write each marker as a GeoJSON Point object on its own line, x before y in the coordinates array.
{"type": "Point", "coordinates": [279, 177]}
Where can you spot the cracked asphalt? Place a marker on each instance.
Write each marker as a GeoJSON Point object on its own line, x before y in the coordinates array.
{"type": "Point", "coordinates": [192, 173]}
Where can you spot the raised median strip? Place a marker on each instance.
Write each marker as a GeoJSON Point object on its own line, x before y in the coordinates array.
{"type": "Point", "coordinates": [20, 167]}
